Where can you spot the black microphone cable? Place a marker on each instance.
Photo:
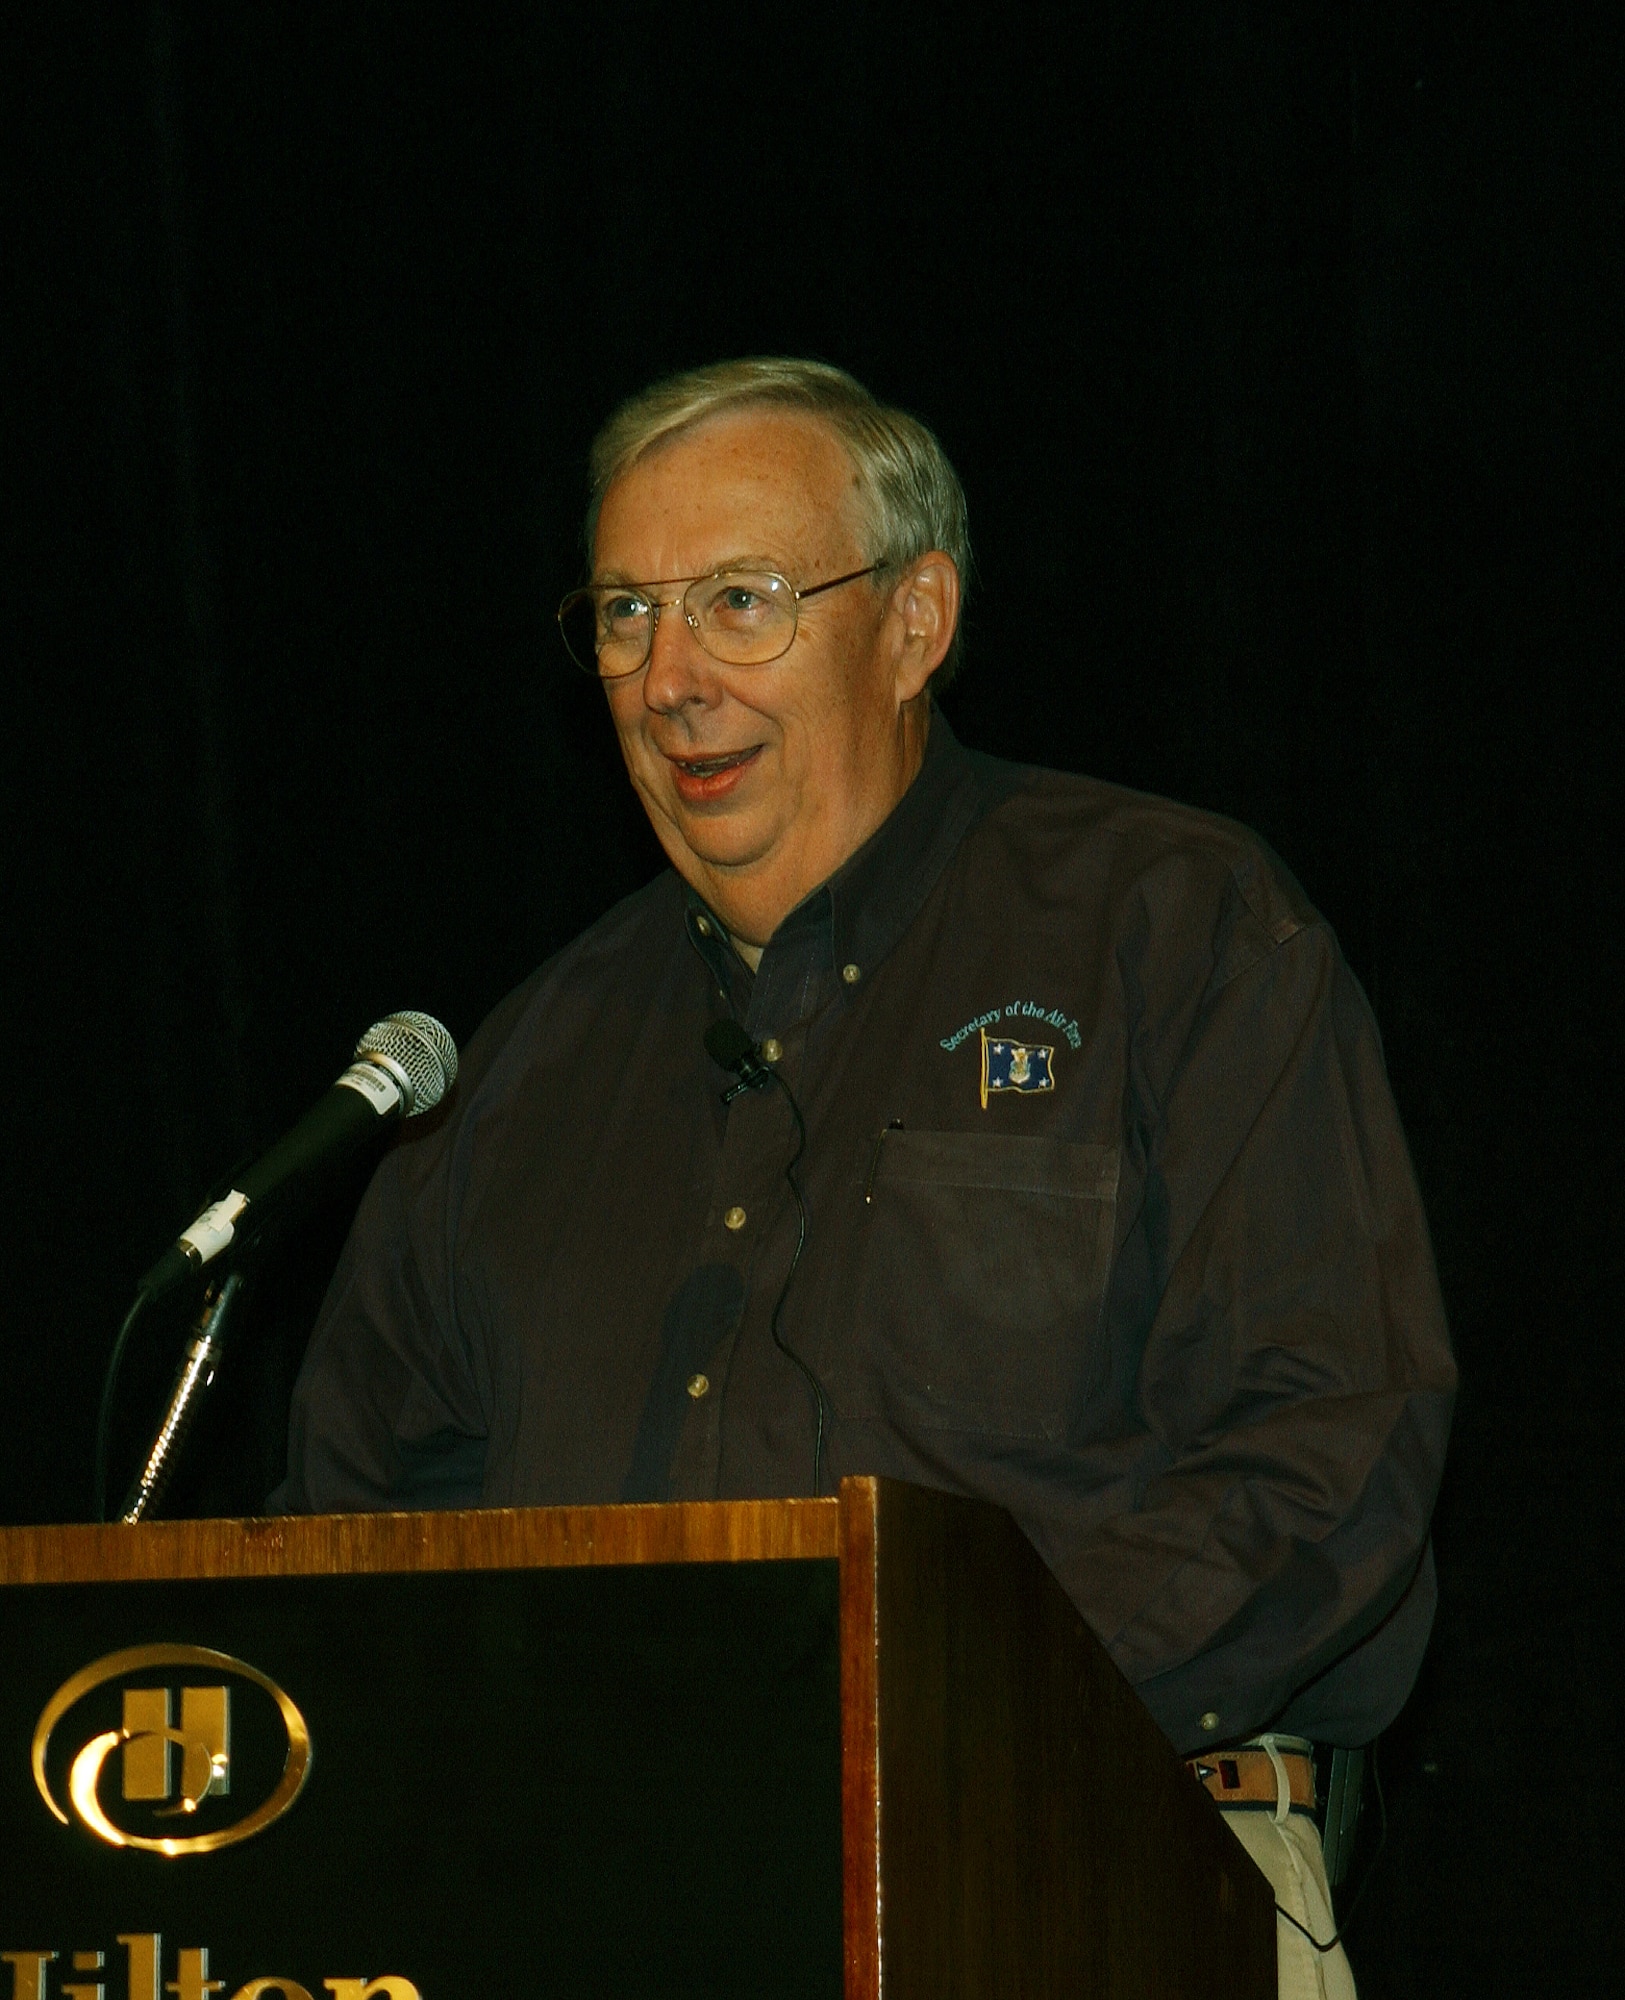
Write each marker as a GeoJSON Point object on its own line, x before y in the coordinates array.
{"type": "Point", "coordinates": [732, 1049]}
{"type": "Point", "coordinates": [1358, 1896]}
{"type": "Point", "coordinates": [104, 1413]}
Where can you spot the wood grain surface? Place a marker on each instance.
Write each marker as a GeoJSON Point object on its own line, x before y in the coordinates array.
{"type": "Point", "coordinates": [860, 1722]}
{"type": "Point", "coordinates": [495, 1538]}
{"type": "Point", "coordinates": [1038, 1836]}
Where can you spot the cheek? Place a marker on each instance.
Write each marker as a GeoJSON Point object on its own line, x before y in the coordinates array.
{"type": "Point", "coordinates": [627, 715]}
{"type": "Point", "coordinates": [636, 754]}
{"type": "Point", "coordinates": [846, 710]}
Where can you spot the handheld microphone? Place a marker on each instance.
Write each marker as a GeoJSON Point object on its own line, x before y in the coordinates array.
{"type": "Point", "coordinates": [404, 1064]}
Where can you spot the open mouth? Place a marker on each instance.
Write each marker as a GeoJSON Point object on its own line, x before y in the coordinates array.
{"type": "Point", "coordinates": [713, 767]}
{"type": "Point", "coordinates": [711, 781]}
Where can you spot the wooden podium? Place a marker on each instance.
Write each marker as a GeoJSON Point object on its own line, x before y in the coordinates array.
{"type": "Point", "coordinates": [859, 1747]}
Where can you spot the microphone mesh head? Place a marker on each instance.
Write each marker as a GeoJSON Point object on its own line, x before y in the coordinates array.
{"type": "Point", "coordinates": [417, 1050]}
{"type": "Point", "coordinates": [727, 1044]}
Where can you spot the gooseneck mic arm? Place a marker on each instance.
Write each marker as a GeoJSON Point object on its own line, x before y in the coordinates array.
{"type": "Point", "coordinates": [195, 1376]}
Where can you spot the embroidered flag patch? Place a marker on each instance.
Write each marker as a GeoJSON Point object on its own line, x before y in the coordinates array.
{"type": "Point", "coordinates": [1015, 1065]}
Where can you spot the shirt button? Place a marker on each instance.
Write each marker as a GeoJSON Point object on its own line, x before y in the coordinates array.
{"type": "Point", "coordinates": [851, 974]}
{"type": "Point", "coordinates": [735, 1218]}
{"type": "Point", "coordinates": [703, 926]}
{"type": "Point", "coordinates": [1210, 1721]}
{"type": "Point", "coordinates": [771, 1050]}
{"type": "Point", "coordinates": [698, 1385]}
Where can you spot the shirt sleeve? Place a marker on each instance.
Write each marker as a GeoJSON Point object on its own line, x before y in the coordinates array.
{"type": "Point", "coordinates": [391, 1407]}
{"type": "Point", "coordinates": [1294, 1372]}
{"type": "Point", "coordinates": [393, 1404]}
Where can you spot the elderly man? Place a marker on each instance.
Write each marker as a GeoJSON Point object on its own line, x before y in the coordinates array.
{"type": "Point", "coordinates": [1074, 1183]}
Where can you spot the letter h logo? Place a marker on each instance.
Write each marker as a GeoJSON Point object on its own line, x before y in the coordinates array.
{"type": "Point", "coordinates": [203, 1738]}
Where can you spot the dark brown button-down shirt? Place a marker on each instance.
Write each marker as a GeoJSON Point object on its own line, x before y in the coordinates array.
{"type": "Point", "coordinates": [1110, 1220]}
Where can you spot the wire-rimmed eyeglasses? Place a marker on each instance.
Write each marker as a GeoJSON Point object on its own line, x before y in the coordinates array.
{"type": "Point", "coordinates": [743, 617]}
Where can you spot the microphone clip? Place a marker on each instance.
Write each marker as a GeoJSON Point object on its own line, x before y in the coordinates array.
{"type": "Point", "coordinates": [730, 1048]}
{"type": "Point", "coordinates": [753, 1075]}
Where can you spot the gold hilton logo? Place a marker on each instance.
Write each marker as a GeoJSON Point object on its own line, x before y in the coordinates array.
{"type": "Point", "coordinates": [168, 1766]}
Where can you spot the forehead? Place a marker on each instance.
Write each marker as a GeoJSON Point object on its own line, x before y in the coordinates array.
{"type": "Point", "coordinates": [745, 483]}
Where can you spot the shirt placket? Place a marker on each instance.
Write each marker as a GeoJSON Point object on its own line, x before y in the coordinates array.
{"type": "Point", "coordinates": [750, 1220]}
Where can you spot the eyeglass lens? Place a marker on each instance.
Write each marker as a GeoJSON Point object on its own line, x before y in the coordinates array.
{"type": "Point", "coordinates": [742, 617]}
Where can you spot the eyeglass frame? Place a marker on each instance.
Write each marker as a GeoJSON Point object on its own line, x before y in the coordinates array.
{"type": "Point", "coordinates": [656, 605]}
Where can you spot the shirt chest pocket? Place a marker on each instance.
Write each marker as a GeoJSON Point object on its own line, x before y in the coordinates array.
{"type": "Point", "coordinates": [980, 1280]}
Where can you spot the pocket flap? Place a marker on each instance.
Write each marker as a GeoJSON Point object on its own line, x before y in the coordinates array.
{"type": "Point", "coordinates": [1006, 1161]}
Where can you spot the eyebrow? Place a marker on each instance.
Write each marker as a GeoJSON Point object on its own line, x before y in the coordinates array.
{"type": "Point", "coordinates": [610, 578]}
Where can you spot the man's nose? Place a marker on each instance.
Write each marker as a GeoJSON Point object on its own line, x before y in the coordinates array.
{"type": "Point", "coordinates": [680, 670]}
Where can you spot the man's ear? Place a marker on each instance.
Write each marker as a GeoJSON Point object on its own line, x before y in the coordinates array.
{"type": "Point", "coordinates": [926, 604]}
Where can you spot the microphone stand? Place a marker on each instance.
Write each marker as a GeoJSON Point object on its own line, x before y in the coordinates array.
{"type": "Point", "coordinates": [196, 1375]}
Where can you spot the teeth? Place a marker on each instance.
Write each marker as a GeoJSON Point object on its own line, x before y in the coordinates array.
{"type": "Point", "coordinates": [708, 767]}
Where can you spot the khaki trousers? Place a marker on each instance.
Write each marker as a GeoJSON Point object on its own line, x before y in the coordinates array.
{"type": "Point", "coordinates": [1286, 1847]}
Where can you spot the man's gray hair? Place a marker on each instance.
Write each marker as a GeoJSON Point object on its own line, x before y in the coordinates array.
{"type": "Point", "coordinates": [911, 497]}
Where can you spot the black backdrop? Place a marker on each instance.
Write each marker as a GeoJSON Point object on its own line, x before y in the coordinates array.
{"type": "Point", "coordinates": [1272, 346]}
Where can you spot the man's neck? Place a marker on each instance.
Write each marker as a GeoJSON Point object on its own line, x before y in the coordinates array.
{"type": "Point", "coordinates": [753, 903]}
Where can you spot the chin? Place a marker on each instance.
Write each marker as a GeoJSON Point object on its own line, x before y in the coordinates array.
{"type": "Point", "coordinates": [721, 838]}
{"type": "Point", "coordinates": [722, 847]}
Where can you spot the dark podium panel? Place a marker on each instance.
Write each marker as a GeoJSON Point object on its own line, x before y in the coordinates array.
{"type": "Point", "coordinates": [860, 1747]}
